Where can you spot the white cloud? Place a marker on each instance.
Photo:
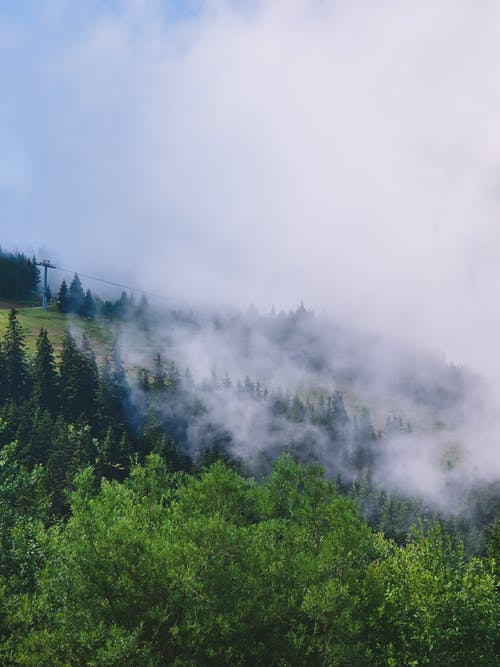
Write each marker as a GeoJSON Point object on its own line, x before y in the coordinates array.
{"type": "Point", "coordinates": [345, 153]}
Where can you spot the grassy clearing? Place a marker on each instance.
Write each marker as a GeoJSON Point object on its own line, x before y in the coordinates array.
{"type": "Point", "coordinates": [56, 323]}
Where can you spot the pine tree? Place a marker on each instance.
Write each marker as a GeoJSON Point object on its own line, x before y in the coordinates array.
{"type": "Point", "coordinates": [45, 377]}
{"type": "Point", "coordinates": [78, 378]}
{"type": "Point", "coordinates": [3, 375]}
{"type": "Point", "coordinates": [122, 306]}
{"type": "Point", "coordinates": [16, 372]}
{"type": "Point", "coordinates": [114, 455]}
{"type": "Point", "coordinates": [112, 393]}
{"type": "Point", "coordinates": [159, 382]}
{"type": "Point", "coordinates": [40, 445]}
{"type": "Point", "coordinates": [57, 476]}
{"type": "Point", "coordinates": [364, 436]}
{"type": "Point", "coordinates": [88, 308]}
{"type": "Point", "coordinates": [76, 295]}
{"type": "Point", "coordinates": [63, 298]}
{"type": "Point", "coordinates": [19, 275]}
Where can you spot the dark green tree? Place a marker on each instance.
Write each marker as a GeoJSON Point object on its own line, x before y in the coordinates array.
{"type": "Point", "coordinates": [79, 377]}
{"type": "Point", "coordinates": [3, 375]}
{"type": "Point", "coordinates": [45, 380]}
{"type": "Point", "coordinates": [19, 275]}
{"type": "Point", "coordinates": [63, 298]}
{"type": "Point", "coordinates": [23, 506]}
{"type": "Point", "coordinates": [88, 308]}
{"type": "Point", "coordinates": [16, 372]}
{"type": "Point", "coordinates": [493, 542]}
{"type": "Point", "coordinates": [35, 449]}
{"type": "Point", "coordinates": [113, 455]}
{"type": "Point", "coordinates": [112, 393]}
{"type": "Point", "coordinates": [362, 453]}
{"type": "Point", "coordinates": [76, 295]}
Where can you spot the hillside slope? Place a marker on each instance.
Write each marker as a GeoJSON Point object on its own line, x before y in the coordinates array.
{"type": "Point", "coordinates": [33, 319]}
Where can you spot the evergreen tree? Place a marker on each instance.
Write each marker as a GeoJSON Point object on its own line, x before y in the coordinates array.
{"type": "Point", "coordinates": [45, 376]}
{"type": "Point", "coordinates": [69, 370]}
{"type": "Point", "coordinates": [57, 475]}
{"type": "Point", "coordinates": [83, 446]}
{"type": "Point", "coordinates": [159, 380]}
{"type": "Point", "coordinates": [19, 275]}
{"type": "Point", "coordinates": [63, 298]}
{"type": "Point", "coordinates": [173, 378]}
{"type": "Point", "coordinates": [112, 393]}
{"type": "Point", "coordinates": [73, 448]}
{"type": "Point", "coordinates": [78, 378]}
{"type": "Point", "coordinates": [113, 455]}
{"type": "Point", "coordinates": [39, 447]}
{"type": "Point", "coordinates": [122, 306]}
{"type": "Point", "coordinates": [3, 375]}
{"type": "Point", "coordinates": [144, 380]}
{"type": "Point", "coordinates": [76, 295]}
{"type": "Point", "coordinates": [88, 308]}
{"type": "Point", "coordinates": [23, 508]}
{"type": "Point", "coordinates": [363, 438]}
{"type": "Point", "coordinates": [92, 373]}
{"type": "Point", "coordinates": [16, 372]}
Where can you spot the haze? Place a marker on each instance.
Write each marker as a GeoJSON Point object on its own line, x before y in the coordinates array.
{"type": "Point", "coordinates": [343, 153]}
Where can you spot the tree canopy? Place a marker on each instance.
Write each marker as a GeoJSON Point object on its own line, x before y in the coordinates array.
{"type": "Point", "coordinates": [166, 568]}
{"type": "Point", "coordinates": [19, 275]}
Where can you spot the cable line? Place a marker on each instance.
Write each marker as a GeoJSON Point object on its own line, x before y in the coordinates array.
{"type": "Point", "coordinates": [110, 282]}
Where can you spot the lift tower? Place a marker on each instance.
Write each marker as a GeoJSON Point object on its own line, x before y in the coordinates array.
{"type": "Point", "coordinates": [46, 263]}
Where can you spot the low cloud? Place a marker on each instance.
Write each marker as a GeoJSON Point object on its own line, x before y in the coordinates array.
{"type": "Point", "coordinates": [343, 153]}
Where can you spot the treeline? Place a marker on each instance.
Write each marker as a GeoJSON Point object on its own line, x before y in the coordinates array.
{"type": "Point", "coordinates": [75, 300]}
{"type": "Point", "coordinates": [19, 275]}
{"type": "Point", "coordinates": [78, 412]}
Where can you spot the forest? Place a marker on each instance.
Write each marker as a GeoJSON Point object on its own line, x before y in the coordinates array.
{"type": "Point", "coordinates": [19, 275]}
{"type": "Point", "coordinates": [139, 527]}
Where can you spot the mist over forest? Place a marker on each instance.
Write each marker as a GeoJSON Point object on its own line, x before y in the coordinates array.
{"type": "Point", "coordinates": [243, 364]}
{"type": "Point", "coordinates": [202, 423]}
{"type": "Point", "coordinates": [258, 421]}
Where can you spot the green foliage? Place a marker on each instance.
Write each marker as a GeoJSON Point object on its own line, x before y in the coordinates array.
{"type": "Point", "coordinates": [493, 543]}
{"type": "Point", "coordinates": [63, 301]}
{"type": "Point", "coordinates": [76, 295]}
{"type": "Point", "coordinates": [439, 608]}
{"type": "Point", "coordinates": [79, 378]}
{"type": "Point", "coordinates": [151, 567]}
{"type": "Point", "coordinates": [33, 429]}
{"type": "Point", "coordinates": [73, 448]}
{"type": "Point", "coordinates": [46, 381]}
{"type": "Point", "coordinates": [23, 507]}
{"type": "Point", "coordinates": [88, 308]}
{"type": "Point", "coordinates": [166, 568]}
{"type": "Point", "coordinates": [19, 275]}
{"type": "Point", "coordinates": [16, 373]}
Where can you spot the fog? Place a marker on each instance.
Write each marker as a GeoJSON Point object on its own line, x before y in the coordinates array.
{"type": "Point", "coordinates": [227, 153]}
{"type": "Point", "coordinates": [343, 153]}
{"type": "Point", "coordinates": [430, 431]}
